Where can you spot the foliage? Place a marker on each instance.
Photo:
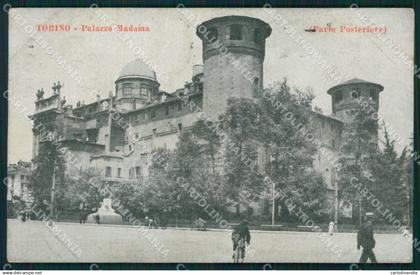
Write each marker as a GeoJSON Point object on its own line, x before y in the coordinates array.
{"type": "Point", "coordinates": [288, 124]}
{"type": "Point", "coordinates": [390, 182]}
{"type": "Point", "coordinates": [49, 161]}
{"type": "Point", "coordinates": [85, 189]}
{"type": "Point", "coordinates": [357, 153]}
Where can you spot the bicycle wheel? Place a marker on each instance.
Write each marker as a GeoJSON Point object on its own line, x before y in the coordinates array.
{"type": "Point", "coordinates": [237, 254]}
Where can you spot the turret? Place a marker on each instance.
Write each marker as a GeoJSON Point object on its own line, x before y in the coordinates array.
{"type": "Point", "coordinates": [233, 57]}
{"type": "Point", "coordinates": [351, 94]}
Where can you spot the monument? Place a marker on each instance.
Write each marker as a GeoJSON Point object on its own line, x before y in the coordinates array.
{"type": "Point", "coordinates": [106, 214]}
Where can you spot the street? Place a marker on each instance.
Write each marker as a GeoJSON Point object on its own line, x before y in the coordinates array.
{"type": "Point", "coordinates": [33, 241]}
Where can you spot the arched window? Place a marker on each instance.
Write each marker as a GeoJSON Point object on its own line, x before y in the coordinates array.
{"type": "Point", "coordinates": [355, 93]}
{"type": "Point", "coordinates": [372, 95]}
{"type": "Point", "coordinates": [235, 32]}
{"type": "Point", "coordinates": [126, 89]}
{"type": "Point", "coordinates": [144, 90]}
{"type": "Point", "coordinates": [256, 81]}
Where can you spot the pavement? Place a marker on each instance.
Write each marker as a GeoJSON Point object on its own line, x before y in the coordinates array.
{"type": "Point", "coordinates": [34, 241]}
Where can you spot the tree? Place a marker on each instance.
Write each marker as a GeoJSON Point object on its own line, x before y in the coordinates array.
{"type": "Point", "coordinates": [206, 138]}
{"type": "Point", "coordinates": [50, 161]}
{"type": "Point", "coordinates": [357, 153]}
{"type": "Point", "coordinates": [85, 189]}
{"type": "Point", "coordinates": [390, 182]}
{"type": "Point", "coordinates": [242, 125]}
{"type": "Point", "coordinates": [288, 116]}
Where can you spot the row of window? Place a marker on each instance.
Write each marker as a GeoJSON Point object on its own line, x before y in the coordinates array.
{"type": "Point", "coordinates": [143, 116]}
{"type": "Point", "coordinates": [22, 177]}
{"type": "Point", "coordinates": [128, 90]}
{"type": "Point", "coordinates": [154, 133]}
{"type": "Point", "coordinates": [134, 172]}
{"type": "Point", "coordinates": [235, 33]}
{"type": "Point", "coordinates": [355, 94]}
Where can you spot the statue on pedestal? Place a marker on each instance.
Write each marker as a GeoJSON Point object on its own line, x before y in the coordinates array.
{"type": "Point", "coordinates": [106, 214]}
{"type": "Point", "coordinates": [40, 94]}
{"type": "Point", "coordinates": [56, 88]}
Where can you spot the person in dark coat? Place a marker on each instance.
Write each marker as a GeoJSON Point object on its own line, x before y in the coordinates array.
{"type": "Point", "coordinates": [366, 240]}
{"type": "Point", "coordinates": [241, 232]}
{"type": "Point", "coordinates": [97, 219]}
{"type": "Point", "coordinates": [83, 216]}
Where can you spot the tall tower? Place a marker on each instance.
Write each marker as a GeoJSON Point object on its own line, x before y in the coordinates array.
{"type": "Point", "coordinates": [351, 94]}
{"type": "Point", "coordinates": [233, 57]}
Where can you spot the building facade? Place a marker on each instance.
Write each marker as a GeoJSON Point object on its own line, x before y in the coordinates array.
{"type": "Point", "coordinates": [116, 135]}
{"type": "Point", "coordinates": [18, 195]}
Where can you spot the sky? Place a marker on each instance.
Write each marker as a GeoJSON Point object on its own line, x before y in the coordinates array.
{"type": "Point", "coordinates": [172, 46]}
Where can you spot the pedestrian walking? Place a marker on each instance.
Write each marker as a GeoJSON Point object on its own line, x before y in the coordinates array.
{"type": "Point", "coordinates": [406, 232]}
{"type": "Point", "coordinates": [331, 228]}
{"type": "Point", "coordinates": [82, 216]}
{"type": "Point", "coordinates": [97, 219]}
{"type": "Point", "coordinates": [366, 240]}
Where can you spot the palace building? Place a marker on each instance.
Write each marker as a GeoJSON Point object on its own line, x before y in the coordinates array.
{"type": "Point", "coordinates": [116, 134]}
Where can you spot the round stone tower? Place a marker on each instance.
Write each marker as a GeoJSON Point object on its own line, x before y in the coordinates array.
{"type": "Point", "coordinates": [233, 57]}
{"type": "Point", "coordinates": [136, 85]}
{"type": "Point", "coordinates": [351, 94]}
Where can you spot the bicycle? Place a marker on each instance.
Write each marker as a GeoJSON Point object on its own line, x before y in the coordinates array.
{"type": "Point", "coordinates": [239, 253]}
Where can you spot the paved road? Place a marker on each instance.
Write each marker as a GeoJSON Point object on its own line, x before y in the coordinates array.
{"type": "Point", "coordinates": [35, 242]}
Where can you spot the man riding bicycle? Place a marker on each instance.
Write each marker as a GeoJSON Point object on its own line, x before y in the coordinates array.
{"type": "Point", "coordinates": [240, 235]}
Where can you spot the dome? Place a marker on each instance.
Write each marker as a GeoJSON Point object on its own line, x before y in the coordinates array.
{"type": "Point", "coordinates": [137, 69]}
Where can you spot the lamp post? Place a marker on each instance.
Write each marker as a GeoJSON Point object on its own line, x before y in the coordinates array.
{"type": "Point", "coordinates": [334, 178]}
{"type": "Point", "coordinates": [274, 185]}
{"type": "Point", "coordinates": [53, 137]}
{"type": "Point", "coordinates": [274, 204]}
{"type": "Point", "coordinates": [52, 194]}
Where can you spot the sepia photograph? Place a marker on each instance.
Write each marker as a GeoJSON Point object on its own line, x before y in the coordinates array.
{"type": "Point", "coordinates": [210, 135]}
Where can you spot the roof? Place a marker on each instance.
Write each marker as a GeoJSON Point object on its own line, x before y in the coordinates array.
{"type": "Point", "coordinates": [354, 81]}
{"type": "Point", "coordinates": [137, 69]}
{"type": "Point", "coordinates": [167, 101]}
{"type": "Point", "coordinates": [266, 29]}
{"type": "Point", "coordinates": [21, 167]}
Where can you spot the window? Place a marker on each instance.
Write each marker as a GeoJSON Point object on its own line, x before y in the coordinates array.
{"type": "Point", "coordinates": [235, 32]}
{"type": "Point", "coordinates": [119, 172]}
{"type": "Point", "coordinates": [108, 171]}
{"type": "Point", "coordinates": [154, 132]}
{"type": "Point", "coordinates": [179, 127]}
{"type": "Point", "coordinates": [211, 35]}
{"type": "Point", "coordinates": [138, 172]}
{"type": "Point", "coordinates": [153, 115]}
{"type": "Point", "coordinates": [257, 36]}
{"type": "Point", "coordinates": [179, 106]}
{"type": "Point", "coordinates": [131, 173]}
{"type": "Point", "coordinates": [372, 94]}
{"type": "Point", "coordinates": [144, 90]}
{"type": "Point", "coordinates": [166, 110]}
{"type": "Point", "coordinates": [126, 89]}
{"type": "Point", "coordinates": [256, 81]}
{"type": "Point", "coordinates": [333, 144]}
{"type": "Point", "coordinates": [355, 94]}
{"type": "Point", "coordinates": [22, 177]}
{"type": "Point", "coordinates": [129, 148]}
